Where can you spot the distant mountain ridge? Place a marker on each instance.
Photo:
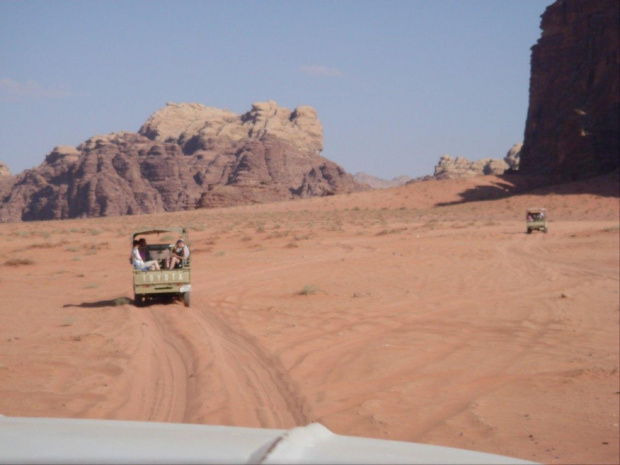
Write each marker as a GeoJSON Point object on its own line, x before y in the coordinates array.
{"type": "Point", "coordinates": [378, 183]}
{"type": "Point", "coordinates": [185, 156]}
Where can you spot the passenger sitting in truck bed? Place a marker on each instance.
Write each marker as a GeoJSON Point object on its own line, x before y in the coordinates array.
{"type": "Point", "coordinates": [144, 251]}
{"type": "Point", "coordinates": [138, 262]}
{"type": "Point", "coordinates": [179, 254]}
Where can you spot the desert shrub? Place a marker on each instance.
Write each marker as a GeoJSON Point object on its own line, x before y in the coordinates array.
{"type": "Point", "coordinates": [41, 245]}
{"type": "Point", "coordinates": [67, 321]}
{"type": "Point", "coordinates": [309, 289]}
{"type": "Point", "coordinates": [18, 262]}
{"type": "Point", "coordinates": [383, 232]}
{"type": "Point", "coordinates": [121, 301]}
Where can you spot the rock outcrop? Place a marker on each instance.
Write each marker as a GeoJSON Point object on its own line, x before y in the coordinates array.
{"type": "Point", "coordinates": [185, 156]}
{"type": "Point", "coordinates": [452, 168]}
{"type": "Point", "coordinates": [5, 172]}
{"type": "Point", "coordinates": [572, 129]}
{"type": "Point", "coordinates": [460, 167]}
{"type": "Point", "coordinates": [513, 157]}
{"type": "Point", "coordinates": [6, 180]}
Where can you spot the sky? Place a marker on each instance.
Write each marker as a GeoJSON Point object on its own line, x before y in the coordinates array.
{"type": "Point", "coordinates": [396, 83]}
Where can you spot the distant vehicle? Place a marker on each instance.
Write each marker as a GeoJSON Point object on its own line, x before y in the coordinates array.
{"type": "Point", "coordinates": [174, 283]}
{"type": "Point", "coordinates": [536, 220]}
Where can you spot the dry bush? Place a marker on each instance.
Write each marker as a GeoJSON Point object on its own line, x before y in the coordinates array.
{"type": "Point", "coordinates": [67, 321]}
{"type": "Point", "coordinates": [383, 232]}
{"type": "Point", "coordinates": [309, 289]}
{"type": "Point", "coordinates": [47, 245]}
{"type": "Point", "coordinates": [18, 262]}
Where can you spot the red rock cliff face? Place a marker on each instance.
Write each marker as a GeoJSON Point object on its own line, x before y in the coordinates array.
{"type": "Point", "coordinates": [572, 128]}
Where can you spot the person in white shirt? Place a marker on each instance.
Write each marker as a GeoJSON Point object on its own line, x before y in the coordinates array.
{"type": "Point", "coordinates": [178, 254]}
{"type": "Point", "coordinates": [137, 261]}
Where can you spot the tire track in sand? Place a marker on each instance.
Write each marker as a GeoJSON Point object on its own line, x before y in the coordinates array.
{"type": "Point", "coordinates": [210, 372]}
{"type": "Point", "coordinates": [158, 377]}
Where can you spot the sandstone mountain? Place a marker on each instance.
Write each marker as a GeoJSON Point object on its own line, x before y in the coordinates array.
{"type": "Point", "coordinates": [573, 127]}
{"type": "Point", "coordinates": [185, 156]}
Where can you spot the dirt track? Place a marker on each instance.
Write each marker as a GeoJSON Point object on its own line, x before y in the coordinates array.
{"type": "Point", "coordinates": [444, 325]}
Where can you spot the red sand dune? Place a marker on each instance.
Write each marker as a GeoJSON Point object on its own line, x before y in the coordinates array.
{"type": "Point", "coordinates": [419, 322]}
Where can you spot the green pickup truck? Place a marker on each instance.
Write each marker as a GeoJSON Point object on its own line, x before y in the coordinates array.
{"type": "Point", "coordinates": [150, 283]}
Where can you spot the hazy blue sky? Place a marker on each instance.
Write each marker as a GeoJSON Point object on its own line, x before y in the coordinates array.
{"type": "Point", "coordinates": [396, 83]}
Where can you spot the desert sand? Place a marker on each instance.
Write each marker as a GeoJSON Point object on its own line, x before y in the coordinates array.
{"type": "Point", "coordinates": [422, 313]}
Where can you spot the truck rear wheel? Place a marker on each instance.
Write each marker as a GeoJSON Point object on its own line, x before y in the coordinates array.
{"type": "Point", "coordinates": [186, 299]}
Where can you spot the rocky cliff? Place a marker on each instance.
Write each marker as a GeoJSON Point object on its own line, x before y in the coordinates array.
{"type": "Point", "coordinates": [185, 156]}
{"type": "Point", "coordinates": [572, 129]}
{"type": "Point", "coordinates": [461, 167]}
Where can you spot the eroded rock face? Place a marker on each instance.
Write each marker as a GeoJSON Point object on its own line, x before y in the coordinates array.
{"type": "Point", "coordinates": [461, 167]}
{"type": "Point", "coordinates": [572, 129]}
{"type": "Point", "coordinates": [185, 156]}
{"type": "Point", "coordinates": [196, 127]}
{"type": "Point", "coordinates": [105, 176]}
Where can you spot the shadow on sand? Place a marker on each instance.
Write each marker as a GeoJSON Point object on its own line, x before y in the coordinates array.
{"type": "Point", "coordinates": [119, 301]}
{"type": "Point", "coordinates": [100, 303]}
{"type": "Point", "coordinates": [513, 184]}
